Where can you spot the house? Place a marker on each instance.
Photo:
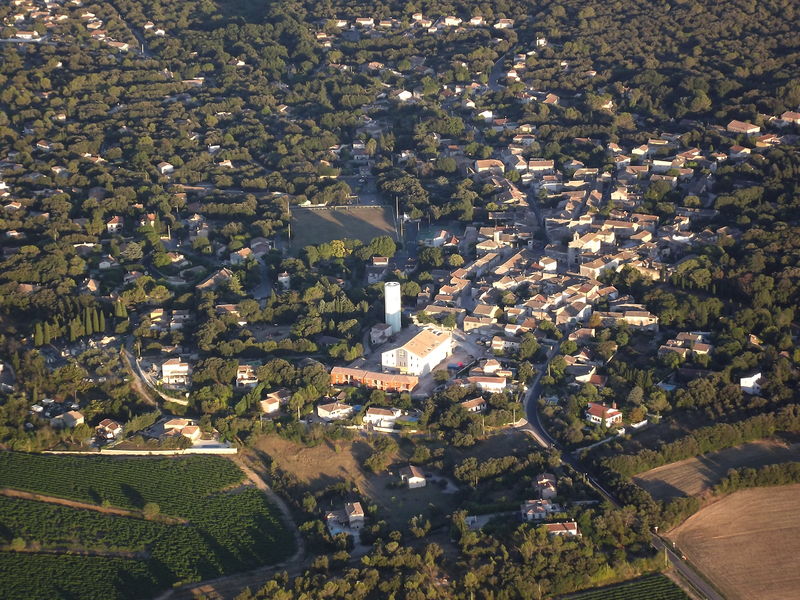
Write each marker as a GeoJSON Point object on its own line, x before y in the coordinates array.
{"type": "Point", "coordinates": [69, 420]}
{"type": "Point", "coordinates": [546, 486]}
{"type": "Point", "coordinates": [492, 385]}
{"type": "Point", "coordinates": [355, 515]}
{"type": "Point", "coordinates": [381, 417]}
{"type": "Point", "coordinates": [165, 168]}
{"type": "Point", "coordinates": [751, 384]}
{"type": "Point", "coordinates": [114, 224]}
{"type": "Point", "coordinates": [246, 376]}
{"type": "Point", "coordinates": [270, 405]}
{"type": "Point", "coordinates": [413, 476]}
{"type": "Point", "coordinates": [742, 127]}
{"type": "Point", "coordinates": [569, 528]}
{"type": "Point", "coordinates": [334, 411]}
{"type": "Point", "coordinates": [474, 405]}
{"type": "Point", "coordinates": [108, 429]}
{"type": "Point", "coordinates": [175, 372]}
{"type": "Point", "coordinates": [597, 414]}
{"type": "Point", "coordinates": [380, 334]}
{"type": "Point", "coordinates": [420, 354]}
{"type": "Point", "coordinates": [538, 510]}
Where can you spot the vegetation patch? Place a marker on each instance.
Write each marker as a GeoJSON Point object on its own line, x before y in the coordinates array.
{"type": "Point", "coordinates": [223, 533]}
{"type": "Point", "coordinates": [652, 587]}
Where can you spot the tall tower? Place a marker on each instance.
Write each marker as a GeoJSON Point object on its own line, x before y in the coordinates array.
{"type": "Point", "coordinates": [391, 298]}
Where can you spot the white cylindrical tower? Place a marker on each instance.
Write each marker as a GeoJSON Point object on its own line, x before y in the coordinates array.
{"type": "Point", "coordinates": [393, 302]}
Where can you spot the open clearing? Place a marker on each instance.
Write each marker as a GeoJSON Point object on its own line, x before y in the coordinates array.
{"type": "Point", "coordinates": [321, 466]}
{"type": "Point", "coordinates": [747, 544]}
{"type": "Point", "coordinates": [693, 476]}
{"type": "Point", "coordinates": [315, 226]}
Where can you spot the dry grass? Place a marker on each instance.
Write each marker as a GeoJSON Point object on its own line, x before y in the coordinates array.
{"type": "Point", "coordinates": [321, 466]}
{"type": "Point", "coordinates": [747, 544]}
{"type": "Point", "coordinates": [694, 476]}
{"type": "Point", "coordinates": [312, 227]}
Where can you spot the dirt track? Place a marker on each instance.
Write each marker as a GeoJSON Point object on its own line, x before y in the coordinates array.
{"type": "Point", "coordinates": [229, 586]}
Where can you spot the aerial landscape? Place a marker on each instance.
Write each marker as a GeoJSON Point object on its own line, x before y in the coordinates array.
{"type": "Point", "coordinates": [388, 300]}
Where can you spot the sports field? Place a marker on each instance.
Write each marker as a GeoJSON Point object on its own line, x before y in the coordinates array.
{"type": "Point", "coordinates": [694, 476]}
{"type": "Point", "coordinates": [747, 544]}
{"type": "Point", "coordinates": [315, 226]}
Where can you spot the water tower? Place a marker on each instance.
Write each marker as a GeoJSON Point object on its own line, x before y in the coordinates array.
{"type": "Point", "coordinates": [392, 300]}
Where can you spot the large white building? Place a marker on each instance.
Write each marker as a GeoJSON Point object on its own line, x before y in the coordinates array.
{"type": "Point", "coordinates": [392, 297]}
{"type": "Point", "coordinates": [419, 355]}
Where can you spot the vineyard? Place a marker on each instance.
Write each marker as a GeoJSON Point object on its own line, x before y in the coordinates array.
{"type": "Point", "coordinates": [652, 587]}
{"type": "Point", "coordinates": [173, 483]}
{"type": "Point", "coordinates": [221, 531]}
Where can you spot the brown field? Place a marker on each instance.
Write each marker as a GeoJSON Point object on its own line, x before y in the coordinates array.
{"type": "Point", "coordinates": [315, 226]}
{"type": "Point", "coordinates": [748, 543]}
{"type": "Point", "coordinates": [693, 476]}
{"type": "Point", "coordinates": [324, 465]}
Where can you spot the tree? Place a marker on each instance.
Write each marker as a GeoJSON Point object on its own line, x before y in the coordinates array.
{"type": "Point", "coordinates": [151, 510]}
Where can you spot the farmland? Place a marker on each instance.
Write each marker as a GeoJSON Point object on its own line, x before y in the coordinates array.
{"type": "Point", "coordinates": [323, 225]}
{"type": "Point", "coordinates": [747, 543]}
{"type": "Point", "coordinates": [651, 587]}
{"type": "Point", "coordinates": [211, 524]}
{"type": "Point", "coordinates": [693, 476]}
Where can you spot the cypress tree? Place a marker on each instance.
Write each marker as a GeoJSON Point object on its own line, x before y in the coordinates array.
{"type": "Point", "coordinates": [95, 321]}
{"type": "Point", "coordinates": [38, 334]}
{"type": "Point", "coordinates": [102, 322]}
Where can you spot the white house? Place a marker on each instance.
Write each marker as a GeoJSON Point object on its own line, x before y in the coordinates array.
{"type": "Point", "coordinates": [419, 355]}
{"type": "Point", "coordinates": [334, 411]}
{"type": "Point", "coordinates": [751, 384]}
{"type": "Point", "coordinates": [413, 476]}
{"type": "Point", "coordinates": [601, 414]}
{"type": "Point", "coordinates": [381, 417]}
{"type": "Point", "coordinates": [538, 510]}
{"type": "Point", "coordinates": [569, 529]}
{"type": "Point", "coordinates": [475, 405]}
{"type": "Point", "coordinates": [114, 224]}
{"type": "Point", "coordinates": [165, 168]}
{"type": "Point", "coordinates": [246, 376]}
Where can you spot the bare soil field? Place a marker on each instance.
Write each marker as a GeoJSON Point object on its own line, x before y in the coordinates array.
{"type": "Point", "coordinates": [748, 543]}
{"type": "Point", "coordinates": [315, 226]}
{"type": "Point", "coordinates": [694, 476]}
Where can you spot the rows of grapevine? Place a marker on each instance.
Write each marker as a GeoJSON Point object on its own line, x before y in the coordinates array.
{"type": "Point", "coordinates": [173, 483]}
{"type": "Point", "coordinates": [651, 587]}
{"type": "Point", "coordinates": [66, 576]}
{"type": "Point", "coordinates": [226, 532]}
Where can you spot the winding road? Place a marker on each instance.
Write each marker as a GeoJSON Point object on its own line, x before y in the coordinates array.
{"type": "Point", "coordinates": [536, 430]}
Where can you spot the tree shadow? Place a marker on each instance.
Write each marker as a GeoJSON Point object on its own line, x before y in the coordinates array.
{"type": "Point", "coordinates": [132, 494]}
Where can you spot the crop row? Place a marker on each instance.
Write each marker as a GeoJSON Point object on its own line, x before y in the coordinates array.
{"type": "Point", "coordinates": [652, 587]}
{"type": "Point", "coordinates": [172, 483]}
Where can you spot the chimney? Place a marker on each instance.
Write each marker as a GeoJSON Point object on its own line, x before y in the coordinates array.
{"type": "Point", "coordinates": [614, 405]}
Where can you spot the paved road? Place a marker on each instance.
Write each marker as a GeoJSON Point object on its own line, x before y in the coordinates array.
{"type": "Point", "coordinates": [688, 573]}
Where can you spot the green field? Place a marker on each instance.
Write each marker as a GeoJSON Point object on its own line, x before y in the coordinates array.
{"type": "Point", "coordinates": [211, 531]}
{"type": "Point", "coordinates": [312, 227]}
{"type": "Point", "coordinates": [651, 587]}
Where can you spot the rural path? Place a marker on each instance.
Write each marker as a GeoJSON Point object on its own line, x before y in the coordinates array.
{"type": "Point", "coordinates": [106, 510]}
{"type": "Point", "coordinates": [229, 586]}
